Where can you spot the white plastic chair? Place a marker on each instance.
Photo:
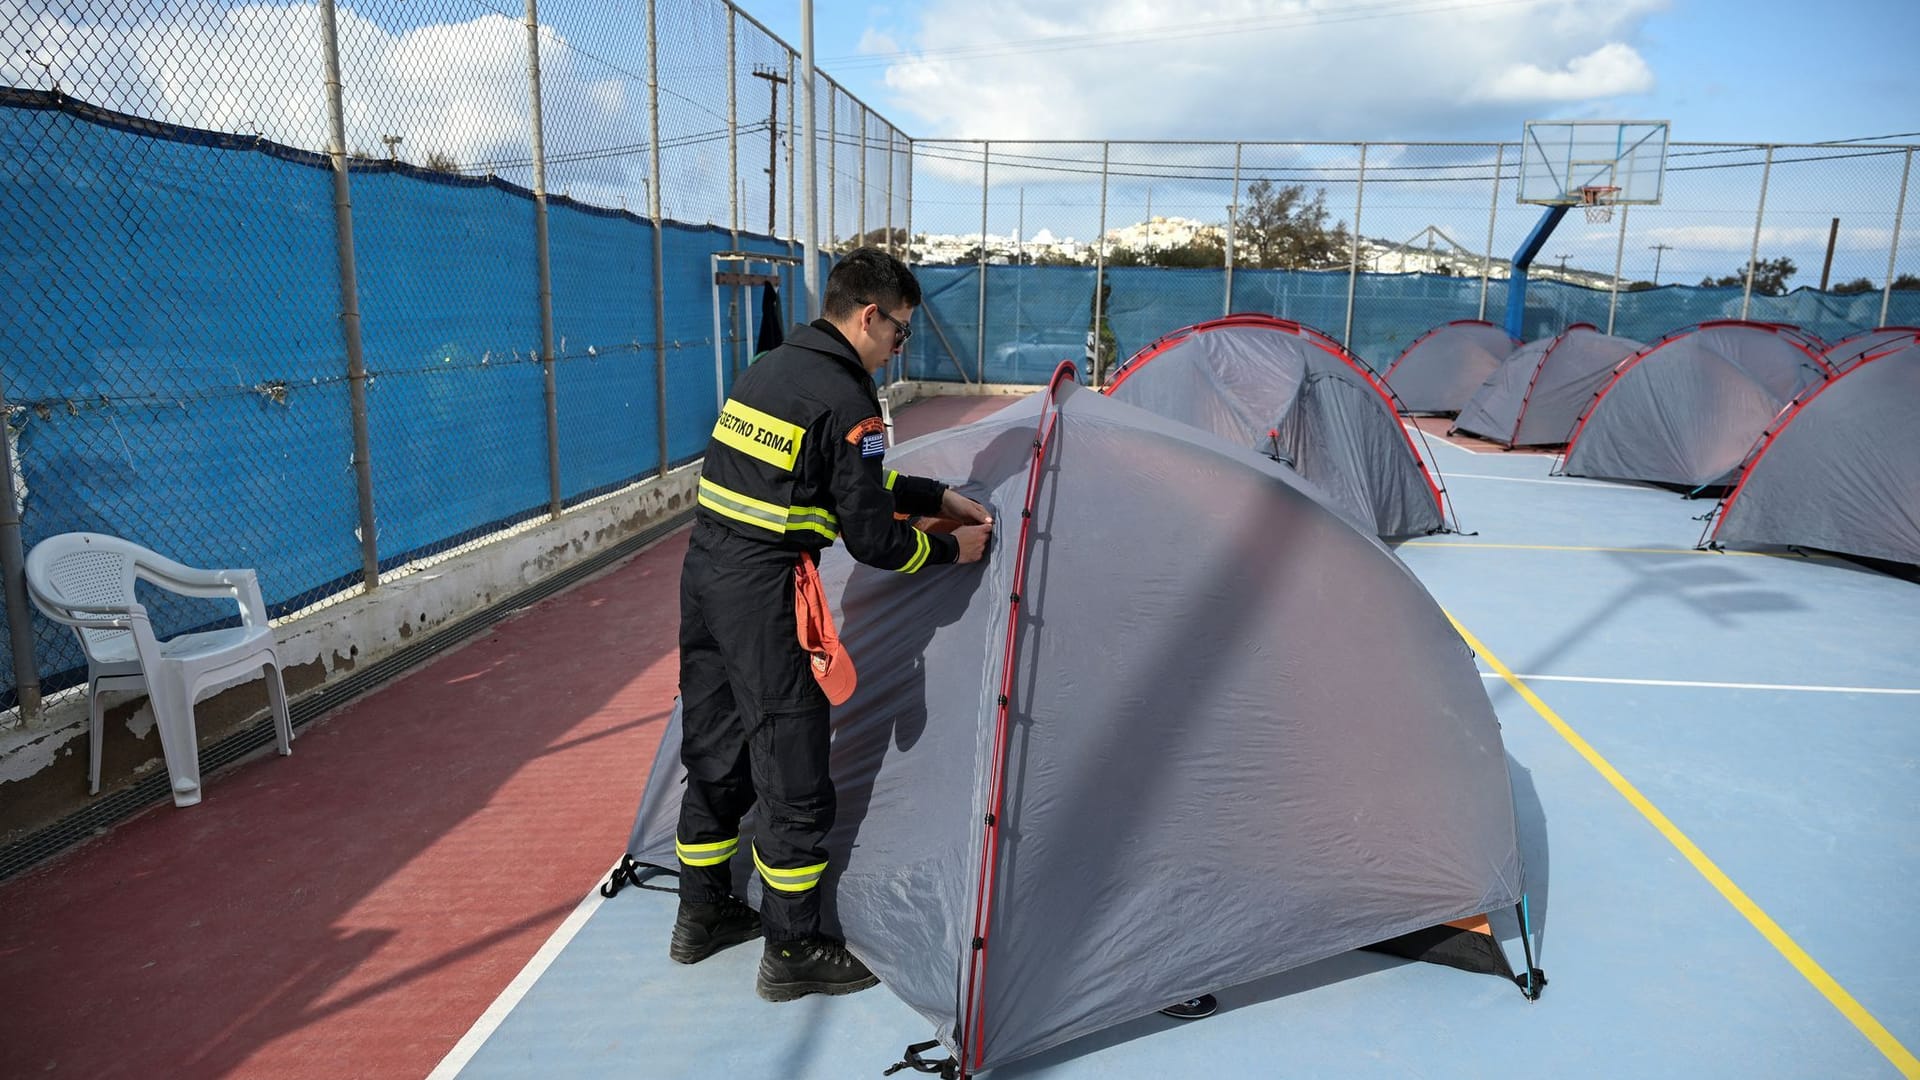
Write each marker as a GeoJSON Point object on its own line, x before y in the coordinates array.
{"type": "Point", "coordinates": [86, 581]}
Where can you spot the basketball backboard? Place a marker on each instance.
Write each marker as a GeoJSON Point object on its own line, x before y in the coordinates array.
{"type": "Point", "coordinates": [1576, 162]}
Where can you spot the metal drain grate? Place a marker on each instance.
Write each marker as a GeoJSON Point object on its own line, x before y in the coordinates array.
{"type": "Point", "coordinates": [102, 813]}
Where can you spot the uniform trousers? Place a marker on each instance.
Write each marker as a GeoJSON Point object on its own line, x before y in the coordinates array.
{"type": "Point", "coordinates": [754, 726]}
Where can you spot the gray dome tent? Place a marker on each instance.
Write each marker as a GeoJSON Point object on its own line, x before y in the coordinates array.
{"type": "Point", "coordinates": [1840, 471]}
{"type": "Point", "coordinates": [1535, 396]}
{"type": "Point", "coordinates": [1685, 410]}
{"type": "Point", "coordinates": [1442, 368]}
{"type": "Point", "coordinates": [1844, 353]}
{"type": "Point", "coordinates": [1161, 696]}
{"type": "Point", "coordinates": [1294, 394]}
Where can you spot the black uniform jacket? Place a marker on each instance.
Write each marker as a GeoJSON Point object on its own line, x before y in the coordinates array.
{"type": "Point", "coordinates": [795, 461]}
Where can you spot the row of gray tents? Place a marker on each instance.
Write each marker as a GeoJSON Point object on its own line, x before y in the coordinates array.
{"type": "Point", "coordinates": [1808, 444]}
{"type": "Point", "coordinates": [1149, 749]}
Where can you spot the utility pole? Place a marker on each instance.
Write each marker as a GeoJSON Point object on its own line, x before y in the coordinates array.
{"type": "Point", "coordinates": [1563, 266]}
{"type": "Point", "coordinates": [1658, 250]}
{"type": "Point", "coordinates": [774, 81]}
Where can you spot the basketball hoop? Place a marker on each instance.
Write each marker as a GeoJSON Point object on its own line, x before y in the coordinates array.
{"type": "Point", "coordinates": [1597, 201]}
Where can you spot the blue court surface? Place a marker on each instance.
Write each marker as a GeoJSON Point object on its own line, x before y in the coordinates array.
{"type": "Point", "coordinates": [1718, 785]}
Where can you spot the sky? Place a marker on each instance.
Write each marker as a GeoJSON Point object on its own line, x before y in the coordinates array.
{"type": "Point", "coordinates": [1738, 71]}
{"type": "Point", "coordinates": [445, 81]}
{"type": "Point", "coordinates": [1720, 70]}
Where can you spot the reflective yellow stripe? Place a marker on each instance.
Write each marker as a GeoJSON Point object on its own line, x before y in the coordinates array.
{"type": "Point", "coordinates": [799, 880]}
{"type": "Point", "coordinates": [706, 854]}
{"type": "Point", "coordinates": [891, 477]}
{"type": "Point", "coordinates": [740, 507]}
{"type": "Point", "coordinates": [921, 551]}
{"type": "Point", "coordinates": [759, 435]}
{"type": "Point", "coordinates": [815, 519]}
{"type": "Point", "coordinates": [780, 519]}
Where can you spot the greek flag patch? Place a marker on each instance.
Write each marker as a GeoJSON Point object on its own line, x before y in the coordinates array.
{"type": "Point", "coordinates": [873, 445]}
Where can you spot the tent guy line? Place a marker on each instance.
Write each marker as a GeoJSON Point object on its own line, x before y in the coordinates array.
{"type": "Point", "coordinates": [1837, 995]}
{"type": "Point", "coordinates": [1711, 685]}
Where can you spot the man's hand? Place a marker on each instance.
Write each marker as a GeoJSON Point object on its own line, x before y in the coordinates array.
{"type": "Point", "coordinates": [973, 540]}
{"type": "Point", "coordinates": [963, 510]}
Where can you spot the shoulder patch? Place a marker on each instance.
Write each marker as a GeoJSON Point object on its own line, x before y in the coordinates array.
{"type": "Point", "coordinates": [873, 445]}
{"type": "Point", "coordinates": [870, 426]}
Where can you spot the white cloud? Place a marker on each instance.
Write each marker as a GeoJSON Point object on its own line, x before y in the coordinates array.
{"type": "Point", "coordinates": [1738, 238]}
{"type": "Point", "coordinates": [1305, 69]}
{"type": "Point", "coordinates": [1608, 71]}
{"type": "Point", "coordinates": [876, 43]}
{"type": "Point", "coordinates": [454, 91]}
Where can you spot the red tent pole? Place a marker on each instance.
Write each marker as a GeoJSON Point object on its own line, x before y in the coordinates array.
{"type": "Point", "coordinates": [972, 1043]}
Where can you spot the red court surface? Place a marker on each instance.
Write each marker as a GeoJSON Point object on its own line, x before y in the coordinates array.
{"type": "Point", "coordinates": [351, 910]}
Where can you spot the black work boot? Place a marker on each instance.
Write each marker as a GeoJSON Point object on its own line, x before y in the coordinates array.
{"type": "Point", "coordinates": [702, 929]}
{"type": "Point", "coordinates": [816, 965]}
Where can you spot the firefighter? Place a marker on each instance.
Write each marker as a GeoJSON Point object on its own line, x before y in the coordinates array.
{"type": "Point", "coordinates": [794, 463]}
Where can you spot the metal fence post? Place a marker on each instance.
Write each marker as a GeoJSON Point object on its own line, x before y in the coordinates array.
{"type": "Point", "coordinates": [1233, 216]}
{"type": "Point", "coordinates": [545, 266]}
{"type": "Point", "coordinates": [980, 338]}
{"type": "Point", "coordinates": [907, 247]}
{"type": "Point", "coordinates": [833, 165]}
{"type": "Point", "coordinates": [861, 217]}
{"type": "Point", "coordinates": [13, 562]}
{"type": "Point", "coordinates": [793, 223]}
{"type": "Point", "coordinates": [1097, 377]}
{"type": "Point", "coordinates": [349, 297]}
{"type": "Point", "coordinates": [810, 237]}
{"type": "Point", "coordinates": [659, 244]}
{"type": "Point", "coordinates": [892, 161]}
{"type": "Point", "coordinates": [1893, 249]}
{"type": "Point", "coordinates": [1353, 261]}
{"type": "Point", "coordinates": [733, 137]}
{"type": "Point", "coordinates": [734, 293]}
{"type": "Point", "coordinates": [1493, 215]}
{"type": "Point", "coordinates": [1619, 254]}
{"type": "Point", "coordinates": [1759, 215]}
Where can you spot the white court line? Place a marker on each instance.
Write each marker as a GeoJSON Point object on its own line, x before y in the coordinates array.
{"type": "Point", "coordinates": [1536, 480]}
{"type": "Point", "coordinates": [496, 1014]}
{"type": "Point", "coordinates": [1711, 685]}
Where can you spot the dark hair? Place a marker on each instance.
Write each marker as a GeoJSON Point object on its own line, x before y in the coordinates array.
{"type": "Point", "coordinates": [868, 275]}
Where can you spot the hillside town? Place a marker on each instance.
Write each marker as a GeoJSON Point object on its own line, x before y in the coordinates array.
{"type": "Point", "coordinates": [1431, 251]}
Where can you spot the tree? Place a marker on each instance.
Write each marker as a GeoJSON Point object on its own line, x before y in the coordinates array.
{"type": "Point", "coordinates": [1056, 258]}
{"type": "Point", "coordinates": [1102, 359]}
{"type": "Point", "coordinates": [876, 238]}
{"type": "Point", "coordinates": [1909, 282]}
{"type": "Point", "coordinates": [1769, 276]}
{"type": "Point", "coordinates": [441, 162]}
{"type": "Point", "coordinates": [1849, 288]}
{"type": "Point", "coordinates": [1281, 227]}
{"type": "Point", "coordinates": [1640, 286]}
{"type": "Point", "coordinates": [1204, 252]}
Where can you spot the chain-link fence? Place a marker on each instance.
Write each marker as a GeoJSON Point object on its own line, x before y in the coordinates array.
{"type": "Point", "coordinates": [338, 290]}
{"type": "Point", "coordinates": [1375, 243]}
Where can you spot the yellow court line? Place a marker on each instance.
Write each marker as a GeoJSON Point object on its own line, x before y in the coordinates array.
{"type": "Point", "coordinates": [1835, 994]}
{"type": "Point", "coordinates": [1573, 547]}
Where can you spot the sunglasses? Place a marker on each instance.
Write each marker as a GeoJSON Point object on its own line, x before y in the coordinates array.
{"type": "Point", "coordinates": [901, 331]}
